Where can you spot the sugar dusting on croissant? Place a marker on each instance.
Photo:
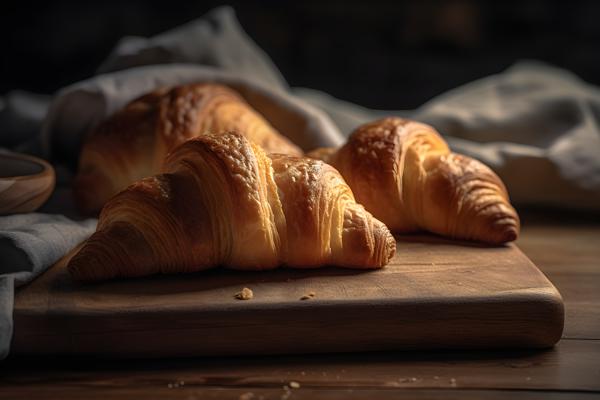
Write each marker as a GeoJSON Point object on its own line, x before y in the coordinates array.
{"type": "Point", "coordinates": [132, 144]}
{"type": "Point", "coordinates": [404, 173]}
{"type": "Point", "coordinates": [222, 201]}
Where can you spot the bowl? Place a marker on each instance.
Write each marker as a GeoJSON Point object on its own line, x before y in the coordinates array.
{"type": "Point", "coordinates": [26, 182]}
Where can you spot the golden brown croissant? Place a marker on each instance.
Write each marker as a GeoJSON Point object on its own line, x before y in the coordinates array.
{"type": "Point", "coordinates": [133, 143]}
{"type": "Point", "coordinates": [404, 173]}
{"type": "Point", "coordinates": [223, 201]}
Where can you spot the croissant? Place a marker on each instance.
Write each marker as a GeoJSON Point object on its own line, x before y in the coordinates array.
{"type": "Point", "coordinates": [133, 143]}
{"type": "Point", "coordinates": [222, 201]}
{"type": "Point", "coordinates": [404, 173]}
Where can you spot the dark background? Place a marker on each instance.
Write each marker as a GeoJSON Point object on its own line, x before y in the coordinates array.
{"type": "Point", "coordinates": [382, 54]}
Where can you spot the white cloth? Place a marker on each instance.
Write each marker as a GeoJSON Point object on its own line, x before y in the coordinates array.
{"type": "Point", "coordinates": [536, 126]}
{"type": "Point", "coordinates": [79, 107]}
{"type": "Point", "coordinates": [29, 243]}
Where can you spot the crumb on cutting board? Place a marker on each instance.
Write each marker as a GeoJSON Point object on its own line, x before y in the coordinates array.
{"type": "Point", "coordinates": [247, 396]}
{"type": "Point", "coordinates": [294, 385]}
{"type": "Point", "coordinates": [308, 296]}
{"type": "Point", "coordinates": [245, 294]}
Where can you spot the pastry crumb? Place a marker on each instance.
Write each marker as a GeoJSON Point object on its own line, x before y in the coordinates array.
{"type": "Point", "coordinates": [308, 296]}
{"type": "Point", "coordinates": [406, 380]}
{"type": "Point", "coordinates": [286, 392]}
{"type": "Point", "coordinates": [294, 385]}
{"type": "Point", "coordinates": [245, 294]}
{"type": "Point", "coordinates": [247, 396]}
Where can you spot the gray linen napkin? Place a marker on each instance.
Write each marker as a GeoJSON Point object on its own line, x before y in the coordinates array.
{"type": "Point", "coordinates": [535, 125]}
{"type": "Point", "coordinates": [79, 107]}
{"type": "Point", "coordinates": [29, 243]}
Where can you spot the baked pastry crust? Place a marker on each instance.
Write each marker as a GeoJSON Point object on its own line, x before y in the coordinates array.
{"type": "Point", "coordinates": [223, 201]}
{"type": "Point", "coordinates": [404, 173]}
{"type": "Point", "coordinates": [133, 143]}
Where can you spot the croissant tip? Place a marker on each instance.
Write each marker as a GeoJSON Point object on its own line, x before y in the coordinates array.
{"type": "Point", "coordinates": [386, 248]}
{"type": "Point", "coordinates": [391, 249]}
{"type": "Point", "coordinates": [508, 234]}
{"type": "Point", "coordinates": [74, 269]}
{"type": "Point", "coordinates": [511, 228]}
{"type": "Point", "coordinates": [88, 265]}
{"type": "Point", "coordinates": [79, 266]}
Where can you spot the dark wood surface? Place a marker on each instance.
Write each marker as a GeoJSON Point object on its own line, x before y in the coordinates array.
{"type": "Point", "coordinates": [434, 294]}
{"type": "Point", "coordinates": [567, 250]}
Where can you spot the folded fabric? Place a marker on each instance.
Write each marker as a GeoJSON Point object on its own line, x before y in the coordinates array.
{"type": "Point", "coordinates": [78, 108]}
{"type": "Point", "coordinates": [215, 40]}
{"type": "Point", "coordinates": [21, 114]}
{"type": "Point", "coordinates": [29, 243]}
{"type": "Point", "coordinates": [536, 126]}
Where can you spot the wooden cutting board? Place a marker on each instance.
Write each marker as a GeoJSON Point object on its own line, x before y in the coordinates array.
{"type": "Point", "coordinates": [434, 294]}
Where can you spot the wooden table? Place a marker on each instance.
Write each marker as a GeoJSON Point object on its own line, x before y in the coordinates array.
{"type": "Point", "coordinates": [565, 247]}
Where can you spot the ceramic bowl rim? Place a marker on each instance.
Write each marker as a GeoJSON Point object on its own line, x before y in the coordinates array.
{"type": "Point", "coordinates": [46, 167]}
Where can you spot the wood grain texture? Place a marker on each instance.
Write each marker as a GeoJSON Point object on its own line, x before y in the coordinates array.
{"type": "Point", "coordinates": [571, 365]}
{"type": "Point", "coordinates": [67, 392]}
{"type": "Point", "coordinates": [434, 294]}
{"type": "Point", "coordinates": [26, 182]}
{"type": "Point", "coordinates": [564, 248]}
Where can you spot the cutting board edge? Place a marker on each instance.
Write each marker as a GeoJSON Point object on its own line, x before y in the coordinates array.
{"type": "Point", "coordinates": [540, 325]}
{"type": "Point", "coordinates": [544, 299]}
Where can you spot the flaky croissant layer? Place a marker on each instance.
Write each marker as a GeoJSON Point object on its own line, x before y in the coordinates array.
{"type": "Point", "coordinates": [404, 173]}
{"type": "Point", "coordinates": [133, 143]}
{"type": "Point", "coordinates": [222, 201]}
